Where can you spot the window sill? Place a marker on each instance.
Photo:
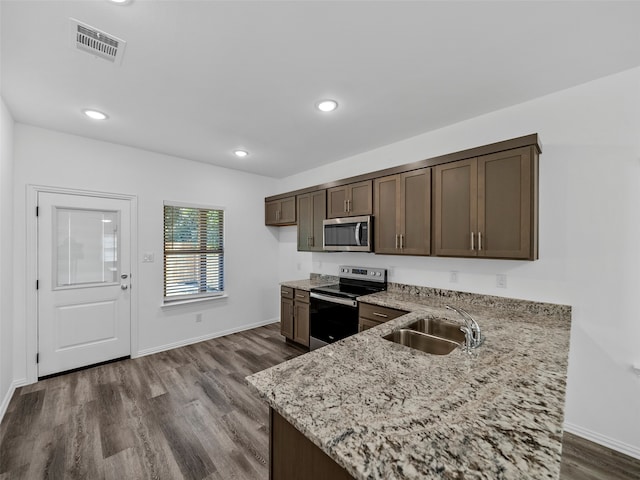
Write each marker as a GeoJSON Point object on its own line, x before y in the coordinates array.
{"type": "Point", "coordinates": [193, 300]}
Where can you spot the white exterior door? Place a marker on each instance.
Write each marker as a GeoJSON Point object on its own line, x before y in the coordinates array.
{"type": "Point", "coordinates": [84, 265]}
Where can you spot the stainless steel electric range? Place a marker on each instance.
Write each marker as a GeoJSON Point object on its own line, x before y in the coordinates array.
{"type": "Point", "coordinates": [334, 308]}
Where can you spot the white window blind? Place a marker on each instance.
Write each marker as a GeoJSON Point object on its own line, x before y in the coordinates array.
{"type": "Point", "coordinates": [193, 252]}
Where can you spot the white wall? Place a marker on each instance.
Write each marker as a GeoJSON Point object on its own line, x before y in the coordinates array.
{"type": "Point", "coordinates": [45, 157]}
{"type": "Point", "coordinates": [6, 256]}
{"type": "Point", "coordinates": [589, 231]}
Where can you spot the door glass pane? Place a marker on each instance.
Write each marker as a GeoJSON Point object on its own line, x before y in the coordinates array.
{"type": "Point", "coordinates": [86, 247]}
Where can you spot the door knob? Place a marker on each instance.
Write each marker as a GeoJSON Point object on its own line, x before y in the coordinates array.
{"type": "Point", "coordinates": [124, 275]}
{"type": "Point", "coordinates": [124, 287]}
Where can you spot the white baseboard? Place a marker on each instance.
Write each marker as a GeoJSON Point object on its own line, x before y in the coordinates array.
{"type": "Point", "coordinates": [613, 444]}
{"type": "Point", "coordinates": [7, 398]}
{"type": "Point", "coordinates": [190, 341]}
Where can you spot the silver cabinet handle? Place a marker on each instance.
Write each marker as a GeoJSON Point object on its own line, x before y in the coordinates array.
{"type": "Point", "coordinates": [348, 205]}
{"type": "Point", "coordinates": [401, 241]}
{"type": "Point", "coordinates": [124, 287]}
{"type": "Point", "coordinates": [380, 315]}
{"type": "Point", "coordinates": [299, 296]}
{"type": "Point", "coordinates": [472, 245]}
{"type": "Point", "coordinates": [479, 240]}
{"type": "Point", "coordinates": [345, 207]}
{"type": "Point", "coordinates": [396, 240]}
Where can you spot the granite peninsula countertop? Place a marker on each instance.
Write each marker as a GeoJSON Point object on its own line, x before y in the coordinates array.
{"type": "Point", "coordinates": [384, 411]}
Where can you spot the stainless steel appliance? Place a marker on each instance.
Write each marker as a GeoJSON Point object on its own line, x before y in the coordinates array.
{"type": "Point", "coordinates": [334, 309]}
{"type": "Point", "coordinates": [348, 234]}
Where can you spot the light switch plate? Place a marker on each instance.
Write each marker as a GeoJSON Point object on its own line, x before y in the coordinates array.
{"type": "Point", "coordinates": [501, 280]}
{"type": "Point", "coordinates": [148, 257]}
{"type": "Point", "coordinates": [453, 276]}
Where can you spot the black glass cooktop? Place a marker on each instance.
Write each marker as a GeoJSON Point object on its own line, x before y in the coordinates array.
{"type": "Point", "coordinates": [350, 290]}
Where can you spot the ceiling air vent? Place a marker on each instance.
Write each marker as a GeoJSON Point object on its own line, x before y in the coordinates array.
{"type": "Point", "coordinates": [96, 42]}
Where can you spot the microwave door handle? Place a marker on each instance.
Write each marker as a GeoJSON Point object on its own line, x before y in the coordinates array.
{"type": "Point", "coordinates": [358, 228]}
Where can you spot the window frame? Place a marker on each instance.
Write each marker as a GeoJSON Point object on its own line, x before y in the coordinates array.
{"type": "Point", "coordinates": [198, 296]}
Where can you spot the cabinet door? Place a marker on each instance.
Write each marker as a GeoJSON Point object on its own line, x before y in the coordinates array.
{"type": "Point", "coordinates": [415, 212]}
{"type": "Point", "coordinates": [366, 324]}
{"type": "Point", "coordinates": [455, 208]}
{"type": "Point", "coordinates": [280, 212]}
{"type": "Point", "coordinates": [312, 209]}
{"type": "Point", "coordinates": [360, 199]}
{"type": "Point", "coordinates": [287, 211]}
{"type": "Point", "coordinates": [504, 204]}
{"type": "Point", "coordinates": [286, 317]}
{"type": "Point", "coordinates": [294, 457]}
{"type": "Point", "coordinates": [305, 222]}
{"type": "Point", "coordinates": [337, 202]}
{"type": "Point", "coordinates": [319, 211]}
{"type": "Point", "coordinates": [271, 210]}
{"type": "Point", "coordinates": [386, 218]}
{"type": "Point", "coordinates": [301, 321]}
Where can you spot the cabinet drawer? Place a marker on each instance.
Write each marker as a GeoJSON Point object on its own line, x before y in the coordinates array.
{"type": "Point", "coordinates": [379, 314]}
{"type": "Point", "coordinates": [302, 296]}
{"type": "Point", "coordinates": [286, 292]}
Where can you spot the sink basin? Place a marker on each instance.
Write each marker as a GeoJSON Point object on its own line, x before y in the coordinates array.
{"type": "Point", "coordinates": [422, 341]}
{"type": "Point", "coordinates": [439, 328]}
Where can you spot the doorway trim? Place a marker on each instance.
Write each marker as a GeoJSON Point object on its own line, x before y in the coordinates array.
{"type": "Point", "coordinates": [31, 294]}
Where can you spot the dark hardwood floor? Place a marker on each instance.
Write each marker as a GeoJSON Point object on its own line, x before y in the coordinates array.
{"type": "Point", "coordinates": [182, 414]}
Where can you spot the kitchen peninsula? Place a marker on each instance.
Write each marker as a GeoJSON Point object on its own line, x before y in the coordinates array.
{"type": "Point", "coordinates": [381, 410]}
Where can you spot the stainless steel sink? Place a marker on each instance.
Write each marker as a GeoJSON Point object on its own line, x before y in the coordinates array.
{"type": "Point", "coordinates": [439, 328]}
{"type": "Point", "coordinates": [422, 341]}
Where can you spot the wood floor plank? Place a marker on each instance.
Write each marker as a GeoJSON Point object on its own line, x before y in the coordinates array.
{"type": "Point", "coordinates": [181, 414]}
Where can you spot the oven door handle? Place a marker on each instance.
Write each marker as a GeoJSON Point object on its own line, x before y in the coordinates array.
{"type": "Point", "coordinates": [330, 299]}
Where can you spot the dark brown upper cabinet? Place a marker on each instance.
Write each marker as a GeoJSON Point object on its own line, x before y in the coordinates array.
{"type": "Point", "coordinates": [402, 213]}
{"type": "Point", "coordinates": [312, 210]}
{"type": "Point", "coordinates": [280, 212]}
{"type": "Point", "coordinates": [487, 206]}
{"type": "Point", "coordinates": [349, 200]}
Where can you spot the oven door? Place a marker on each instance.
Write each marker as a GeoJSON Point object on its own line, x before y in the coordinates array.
{"type": "Point", "coordinates": [331, 319]}
{"type": "Point", "coordinates": [349, 234]}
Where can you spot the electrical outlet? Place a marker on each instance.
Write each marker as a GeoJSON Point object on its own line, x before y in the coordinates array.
{"type": "Point", "coordinates": [453, 276]}
{"type": "Point", "coordinates": [148, 257]}
{"type": "Point", "coordinates": [198, 317]}
{"type": "Point", "coordinates": [501, 280]}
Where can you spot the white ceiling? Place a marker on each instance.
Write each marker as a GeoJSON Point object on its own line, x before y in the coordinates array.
{"type": "Point", "coordinates": [202, 78]}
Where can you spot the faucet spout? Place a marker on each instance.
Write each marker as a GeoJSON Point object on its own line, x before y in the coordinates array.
{"type": "Point", "coordinates": [471, 329]}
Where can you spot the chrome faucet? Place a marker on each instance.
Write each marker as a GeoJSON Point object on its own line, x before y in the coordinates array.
{"type": "Point", "coordinates": [472, 334]}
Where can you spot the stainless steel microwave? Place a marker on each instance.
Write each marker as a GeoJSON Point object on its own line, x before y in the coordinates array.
{"type": "Point", "coordinates": [348, 234]}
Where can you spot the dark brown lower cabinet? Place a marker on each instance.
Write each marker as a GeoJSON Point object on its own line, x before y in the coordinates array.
{"type": "Point", "coordinates": [292, 456]}
{"type": "Point", "coordinates": [301, 318]}
{"type": "Point", "coordinates": [294, 315]}
{"type": "Point", "coordinates": [286, 312]}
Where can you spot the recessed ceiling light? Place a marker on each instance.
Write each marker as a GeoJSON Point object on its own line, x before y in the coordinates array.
{"type": "Point", "coordinates": [240, 153]}
{"type": "Point", "coordinates": [327, 105]}
{"type": "Point", "coordinates": [95, 114]}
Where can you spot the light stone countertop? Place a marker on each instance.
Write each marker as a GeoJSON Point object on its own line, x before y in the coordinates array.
{"type": "Point", "coordinates": [384, 411]}
{"type": "Point", "coordinates": [308, 284]}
